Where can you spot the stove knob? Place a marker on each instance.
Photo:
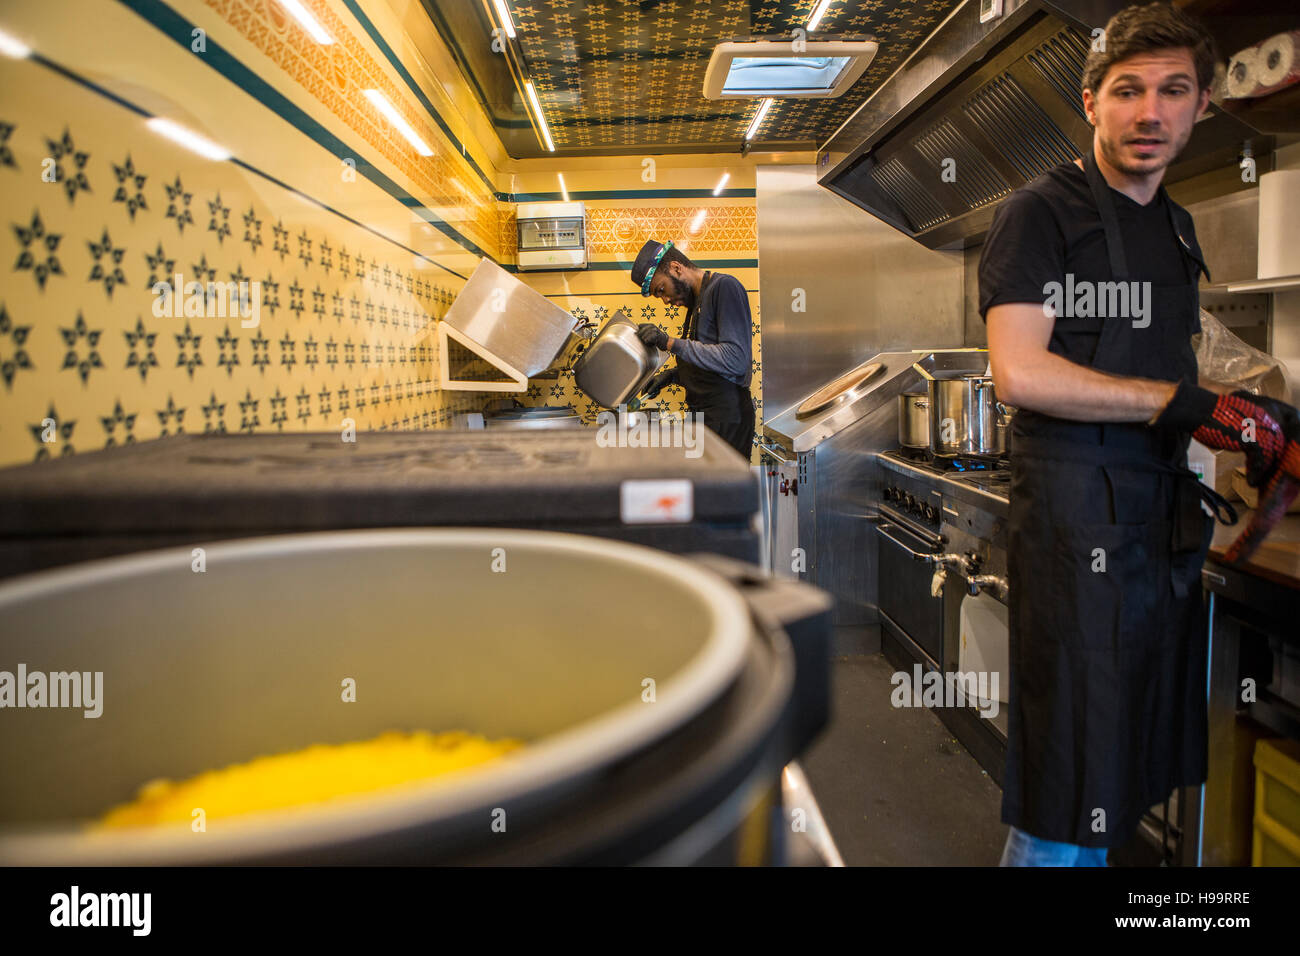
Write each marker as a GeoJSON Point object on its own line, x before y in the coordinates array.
{"type": "Point", "coordinates": [931, 513]}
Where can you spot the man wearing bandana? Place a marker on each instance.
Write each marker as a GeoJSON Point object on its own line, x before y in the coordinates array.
{"type": "Point", "coordinates": [714, 351]}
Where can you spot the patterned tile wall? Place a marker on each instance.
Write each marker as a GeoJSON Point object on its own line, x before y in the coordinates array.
{"type": "Point", "coordinates": [346, 318]}
{"type": "Point", "coordinates": [95, 209]}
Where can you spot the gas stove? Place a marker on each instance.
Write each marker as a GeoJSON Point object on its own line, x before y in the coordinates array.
{"type": "Point", "coordinates": [942, 560]}
{"type": "Point", "coordinates": [988, 478]}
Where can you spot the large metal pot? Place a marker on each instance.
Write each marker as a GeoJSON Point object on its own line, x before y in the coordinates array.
{"type": "Point", "coordinates": [914, 420]}
{"type": "Point", "coordinates": [540, 417]}
{"type": "Point", "coordinates": [965, 419]}
{"type": "Point", "coordinates": [204, 669]}
{"type": "Point", "coordinates": [617, 364]}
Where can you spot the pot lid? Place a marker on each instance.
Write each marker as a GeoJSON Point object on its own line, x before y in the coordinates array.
{"type": "Point", "coordinates": [837, 389]}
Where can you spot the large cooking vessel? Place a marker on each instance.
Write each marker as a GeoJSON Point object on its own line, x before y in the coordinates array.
{"type": "Point", "coordinates": [540, 417]}
{"type": "Point", "coordinates": [491, 631]}
{"type": "Point", "coordinates": [966, 418]}
{"type": "Point", "coordinates": [617, 364]}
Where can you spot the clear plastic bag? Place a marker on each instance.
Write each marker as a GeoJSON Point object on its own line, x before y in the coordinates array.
{"type": "Point", "coordinates": [1222, 357]}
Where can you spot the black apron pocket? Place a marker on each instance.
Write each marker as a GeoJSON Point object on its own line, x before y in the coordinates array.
{"type": "Point", "coordinates": [1105, 581]}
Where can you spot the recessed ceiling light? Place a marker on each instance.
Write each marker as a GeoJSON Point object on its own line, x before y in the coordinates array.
{"type": "Point", "coordinates": [381, 103]}
{"type": "Point", "coordinates": [819, 68]}
{"type": "Point", "coordinates": [187, 138]}
{"type": "Point", "coordinates": [309, 22]}
{"type": "Point", "coordinates": [758, 119]}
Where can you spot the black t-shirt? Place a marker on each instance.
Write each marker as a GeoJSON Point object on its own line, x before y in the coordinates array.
{"type": "Point", "coordinates": [1051, 227]}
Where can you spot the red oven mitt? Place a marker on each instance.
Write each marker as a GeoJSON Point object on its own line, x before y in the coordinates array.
{"type": "Point", "coordinates": [1265, 430]}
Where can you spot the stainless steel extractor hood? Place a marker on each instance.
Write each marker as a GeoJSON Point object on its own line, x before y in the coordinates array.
{"type": "Point", "coordinates": [993, 105]}
{"type": "Point", "coordinates": [499, 333]}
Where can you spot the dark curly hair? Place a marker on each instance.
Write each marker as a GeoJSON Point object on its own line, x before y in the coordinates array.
{"type": "Point", "coordinates": [1145, 29]}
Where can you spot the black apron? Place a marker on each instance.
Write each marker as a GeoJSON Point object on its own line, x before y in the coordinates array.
{"type": "Point", "coordinates": [727, 408]}
{"type": "Point", "coordinates": [1106, 540]}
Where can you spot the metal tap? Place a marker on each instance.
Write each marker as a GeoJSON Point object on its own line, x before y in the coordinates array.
{"type": "Point", "coordinates": [992, 582]}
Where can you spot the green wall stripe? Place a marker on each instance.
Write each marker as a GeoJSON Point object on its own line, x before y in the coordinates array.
{"type": "Point", "coordinates": [414, 87]}
{"type": "Point", "coordinates": [172, 24]}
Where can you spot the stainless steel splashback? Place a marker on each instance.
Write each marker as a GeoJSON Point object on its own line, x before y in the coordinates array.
{"type": "Point", "coordinates": [797, 433]}
{"type": "Point", "coordinates": [865, 287]}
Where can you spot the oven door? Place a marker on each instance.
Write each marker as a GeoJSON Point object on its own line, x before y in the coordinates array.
{"type": "Point", "coordinates": [906, 568]}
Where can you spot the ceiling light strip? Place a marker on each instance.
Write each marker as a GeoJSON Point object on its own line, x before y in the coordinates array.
{"type": "Point", "coordinates": [758, 118]}
{"type": "Point", "coordinates": [309, 22]}
{"type": "Point", "coordinates": [10, 45]}
{"type": "Point", "coordinates": [537, 112]}
{"type": "Point", "coordinates": [380, 102]}
{"type": "Point", "coordinates": [503, 14]}
{"type": "Point", "coordinates": [818, 12]}
{"type": "Point", "coordinates": [187, 138]}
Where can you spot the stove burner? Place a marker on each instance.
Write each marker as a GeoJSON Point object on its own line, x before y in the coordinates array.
{"type": "Point", "coordinates": [994, 466]}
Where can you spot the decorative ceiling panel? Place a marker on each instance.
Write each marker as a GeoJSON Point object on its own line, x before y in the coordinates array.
{"type": "Point", "coordinates": [622, 76]}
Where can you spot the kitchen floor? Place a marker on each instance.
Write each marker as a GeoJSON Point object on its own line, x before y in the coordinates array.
{"type": "Point", "coordinates": [896, 788]}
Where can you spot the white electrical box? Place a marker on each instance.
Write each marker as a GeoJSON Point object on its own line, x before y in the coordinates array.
{"type": "Point", "coordinates": [552, 235]}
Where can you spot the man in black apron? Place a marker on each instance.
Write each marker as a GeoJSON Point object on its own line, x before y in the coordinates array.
{"type": "Point", "coordinates": [715, 349]}
{"type": "Point", "coordinates": [1088, 285]}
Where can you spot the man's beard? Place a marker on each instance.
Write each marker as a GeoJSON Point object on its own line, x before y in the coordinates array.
{"type": "Point", "coordinates": [1112, 150]}
{"type": "Point", "coordinates": [683, 291]}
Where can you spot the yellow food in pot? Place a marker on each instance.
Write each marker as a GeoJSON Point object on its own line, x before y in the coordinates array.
{"type": "Point", "coordinates": [319, 773]}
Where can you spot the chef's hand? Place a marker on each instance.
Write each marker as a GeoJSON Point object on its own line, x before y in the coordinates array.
{"type": "Point", "coordinates": [656, 384]}
{"type": "Point", "coordinates": [1221, 421]}
{"type": "Point", "coordinates": [651, 334]}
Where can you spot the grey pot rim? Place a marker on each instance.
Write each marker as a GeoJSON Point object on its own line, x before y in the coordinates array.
{"type": "Point", "coordinates": [547, 765]}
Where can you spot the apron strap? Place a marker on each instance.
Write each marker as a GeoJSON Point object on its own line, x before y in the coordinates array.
{"type": "Point", "coordinates": [1109, 219]}
{"type": "Point", "coordinates": [690, 328]}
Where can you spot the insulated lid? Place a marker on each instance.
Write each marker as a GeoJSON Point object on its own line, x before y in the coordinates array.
{"type": "Point", "coordinates": [313, 480]}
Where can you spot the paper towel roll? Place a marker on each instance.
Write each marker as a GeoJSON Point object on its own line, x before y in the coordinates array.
{"type": "Point", "coordinates": [1279, 224]}
{"type": "Point", "coordinates": [1278, 62]}
{"type": "Point", "coordinates": [1243, 69]}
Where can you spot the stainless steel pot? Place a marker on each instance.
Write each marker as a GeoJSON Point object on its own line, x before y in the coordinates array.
{"type": "Point", "coordinates": [965, 418]}
{"type": "Point", "coordinates": [914, 420]}
{"type": "Point", "coordinates": [617, 364]}
{"type": "Point", "coordinates": [202, 670]}
{"type": "Point", "coordinates": [541, 417]}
